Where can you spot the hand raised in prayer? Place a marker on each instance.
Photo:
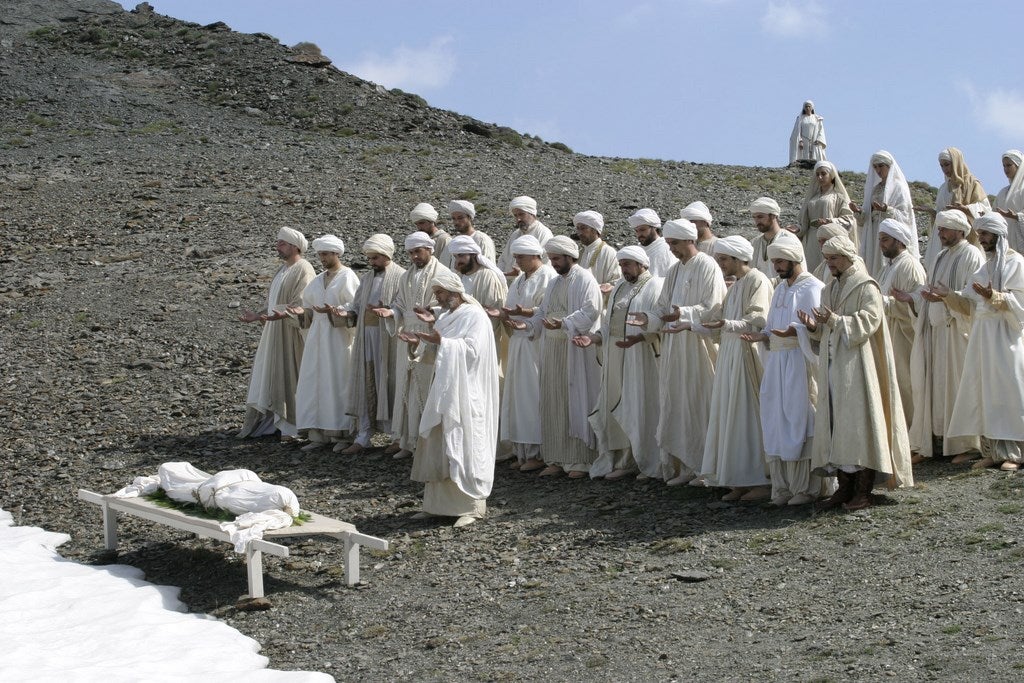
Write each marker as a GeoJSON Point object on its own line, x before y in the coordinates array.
{"type": "Point", "coordinates": [552, 323]}
{"type": "Point", "coordinates": [431, 337]}
{"type": "Point", "coordinates": [818, 222]}
{"type": "Point", "coordinates": [337, 311]}
{"type": "Point", "coordinates": [248, 316]}
{"type": "Point", "coordinates": [788, 332]}
{"type": "Point", "coordinates": [495, 313]}
{"type": "Point", "coordinates": [410, 339]}
{"type": "Point", "coordinates": [630, 340]}
{"type": "Point", "coordinates": [677, 327]}
{"type": "Point", "coordinates": [985, 291]}
{"type": "Point", "coordinates": [714, 324]}
{"type": "Point", "coordinates": [935, 292]}
{"type": "Point", "coordinates": [822, 314]}
{"type": "Point", "coordinates": [754, 337]}
{"type": "Point", "coordinates": [519, 311]}
{"type": "Point", "coordinates": [637, 320]}
{"type": "Point", "coordinates": [425, 314]}
{"type": "Point", "coordinates": [582, 340]}
{"type": "Point", "coordinates": [854, 207]}
{"type": "Point", "coordinates": [672, 315]}
{"type": "Point", "coordinates": [514, 324]}
{"type": "Point", "coordinates": [879, 206]}
{"type": "Point", "coordinates": [326, 308]}
{"type": "Point", "coordinates": [793, 228]}
{"type": "Point", "coordinates": [902, 296]}
{"type": "Point", "coordinates": [606, 287]}
{"type": "Point", "coordinates": [296, 310]}
{"type": "Point", "coordinates": [1006, 213]}
{"type": "Point", "coordinates": [272, 316]}
{"type": "Point", "coordinates": [380, 310]}
{"type": "Point", "coordinates": [807, 319]}
{"type": "Point", "coordinates": [513, 273]}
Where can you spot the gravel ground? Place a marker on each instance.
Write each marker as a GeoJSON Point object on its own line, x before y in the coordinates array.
{"type": "Point", "coordinates": [145, 165]}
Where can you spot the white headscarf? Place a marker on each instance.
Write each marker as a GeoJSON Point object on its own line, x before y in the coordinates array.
{"type": "Point", "coordinates": [329, 243]}
{"type": "Point", "coordinates": [736, 246]}
{"type": "Point", "coordinates": [524, 203]}
{"type": "Point", "coordinates": [560, 244]}
{"type": "Point", "coordinates": [462, 206]}
{"type": "Point", "coordinates": [897, 191]}
{"type": "Point", "coordinates": [995, 223]}
{"type": "Point", "coordinates": [380, 244]}
{"type": "Point", "coordinates": [901, 232]}
{"type": "Point", "coordinates": [1015, 193]}
{"type": "Point", "coordinates": [464, 244]}
{"type": "Point", "coordinates": [634, 253]}
{"type": "Point", "coordinates": [837, 183]}
{"type": "Point", "coordinates": [527, 244]}
{"type": "Point", "coordinates": [680, 229]}
{"type": "Point", "coordinates": [765, 205]}
{"type": "Point", "coordinates": [293, 237]}
{"type": "Point", "coordinates": [645, 217]}
{"type": "Point", "coordinates": [423, 212]}
{"type": "Point", "coordinates": [591, 219]}
{"type": "Point", "coordinates": [696, 211]}
{"type": "Point", "coordinates": [419, 239]}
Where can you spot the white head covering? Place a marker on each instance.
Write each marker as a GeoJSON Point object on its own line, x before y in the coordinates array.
{"type": "Point", "coordinates": [1015, 193]}
{"type": "Point", "coordinates": [1014, 155]}
{"type": "Point", "coordinates": [293, 237]}
{"type": "Point", "coordinates": [944, 155]}
{"type": "Point", "coordinates": [591, 219]}
{"type": "Point", "coordinates": [380, 244]}
{"type": "Point", "coordinates": [680, 229]}
{"type": "Point", "coordinates": [953, 220]}
{"type": "Point", "coordinates": [788, 247]}
{"type": "Point", "coordinates": [901, 232]}
{"type": "Point", "coordinates": [527, 204]}
{"type": "Point", "coordinates": [830, 230]}
{"type": "Point", "coordinates": [634, 253]}
{"type": "Point", "coordinates": [462, 206]}
{"type": "Point", "coordinates": [645, 217]}
{"type": "Point", "coordinates": [423, 212]}
{"type": "Point", "coordinates": [329, 243]}
{"type": "Point", "coordinates": [735, 246]}
{"type": "Point", "coordinates": [419, 239]}
{"type": "Point", "coordinates": [840, 246]}
{"type": "Point", "coordinates": [560, 244]}
{"type": "Point", "coordinates": [696, 211]}
{"type": "Point", "coordinates": [527, 244]}
{"type": "Point", "coordinates": [806, 102]}
{"type": "Point", "coordinates": [446, 279]}
{"type": "Point", "coordinates": [464, 244]}
{"type": "Point", "coordinates": [897, 191]}
{"type": "Point", "coordinates": [837, 183]}
{"type": "Point", "coordinates": [765, 205]}
{"type": "Point", "coordinates": [996, 224]}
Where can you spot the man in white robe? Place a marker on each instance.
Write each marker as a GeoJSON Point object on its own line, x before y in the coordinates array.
{"type": "Point", "coordinates": [699, 214]}
{"type": "Point", "coordinates": [1009, 201]}
{"type": "Point", "coordinates": [940, 342]}
{"type": "Point", "coordinates": [481, 278]}
{"type": "Point", "coordinates": [459, 427]}
{"type": "Point", "coordinates": [859, 430]}
{"type": "Point", "coordinates": [270, 403]}
{"type": "Point", "coordinates": [463, 213]}
{"type": "Point", "coordinates": [990, 399]}
{"type": "Point", "coordinates": [693, 288]}
{"type": "Point", "coordinates": [424, 218]}
{"type": "Point", "coordinates": [413, 363]}
{"type": "Point", "coordinates": [824, 234]}
{"type": "Point", "coordinates": [765, 212]}
{"type": "Point", "coordinates": [734, 450]}
{"type": "Point", "coordinates": [321, 399]}
{"type": "Point", "coordinates": [788, 387]}
{"type": "Point", "coordinates": [371, 388]}
{"type": "Point", "coordinates": [625, 418]}
{"type": "Point", "coordinates": [524, 212]}
{"type": "Point", "coordinates": [596, 256]}
{"type": "Point", "coordinates": [647, 225]}
{"type": "Point", "coordinates": [521, 393]}
{"type": "Point", "coordinates": [569, 375]}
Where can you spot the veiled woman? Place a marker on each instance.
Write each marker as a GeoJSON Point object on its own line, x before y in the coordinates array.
{"type": "Point", "coordinates": [960, 191]}
{"type": "Point", "coordinates": [807, 142]}
{"type": "Point", "coordinates": [1010, 200]}
{"type": "Point", "coordinates": [886, 195]}
{"type": "Point", "coordinates": [826, 201]}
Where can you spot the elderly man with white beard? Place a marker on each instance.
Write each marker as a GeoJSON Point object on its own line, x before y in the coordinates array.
{"type": "Point", "coordinates": [647, 225]}
{"type": "Point", "coordinates": [597, 257]}
{"type": "Point", "coordinates": [413, 366]}
{"type": "Point", "coordinates": [990, 400]}
{"type": "Point", "coordinates": [699, 214]}
{"type": "Point", "coordinates": [270, 403]}
{"type": "Point", "coordinates": [524, 212]}
{"type": "Point", "coordinates": [424, 218]}
{"type": "Point", "coordinates": [625, 418]}
{"type": "Point", "coordinates": [458, 430]}
{"type": "Point", "coordinates": [463, 213]}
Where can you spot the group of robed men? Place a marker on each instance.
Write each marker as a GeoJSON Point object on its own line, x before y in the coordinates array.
{"type": "Point", "coordinates": [687, 358]}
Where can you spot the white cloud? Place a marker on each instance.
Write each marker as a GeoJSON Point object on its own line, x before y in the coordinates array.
{"type": "Point", "coordinates": [411, 69]}
{"type": "Point", "coordinates": [998, 109]}
{"type": "Point", "coordinates": [795, 20]}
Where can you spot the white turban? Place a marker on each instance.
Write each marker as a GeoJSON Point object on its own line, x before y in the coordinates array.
{"type": "Point", "coordinates": [447, 280]}
{"type": "Point", "coordinates": [953, 220]}
{"type": "Point", "coordinates": [901, 232]}
{"type": "Point", "coordinates": [696, 211]}
{"type": "Point", "coordinates": [830, 230]}
{"type": "Point", "coordinates": [380, 244]}
{"type": "Point", "coordinates": [634, 253]}
{"type": "Point", "coordinates": [735, 246]}
{"type": "Point", "coordinates": [1014, 155]}
{"type": "Point", "coordinates": [680, 229]}
{"type": "Point", "coordinates": [765, 205]}
{"type": "Point", "coordinates": [840, 246]}
{"type": "Point", "coordinates": [527, 204]}
{"type": "Point", "coordinates": [528, 245]}
{"type": "Point", "coordinates": [462, 206]}
{"type": "Point", "coordinates": [786, 246]}
{"type": "Point", "coordinates": [463, 244]}
{"type": "Point", "coordinates": [423, 212]}
{"type": "Point", "coordinates": [644, 217]}
{"type": "Point", "coordinates": [992, 222]}
{"type": "Point", "coordinates": [293, 237]}
{"type": "Point", "coordinates": [419, 239]}
{"type": "Point", "coordinates": [329, 243]}
{"type": "Point", "coordinates": [560, 244]}
{"type": "Point", "coordinates": [591, 219]}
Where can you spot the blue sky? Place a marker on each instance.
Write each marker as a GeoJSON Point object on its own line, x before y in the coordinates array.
{"type": "Point", "coordinates": [716, 81]}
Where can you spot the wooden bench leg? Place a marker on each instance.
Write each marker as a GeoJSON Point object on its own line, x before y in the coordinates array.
{"type": "Point", "coordinates": [351, 561]}
{"type": "Point", "coordinates": [254, 569]}
{"type": "Point", "coordinates": [109, 527]}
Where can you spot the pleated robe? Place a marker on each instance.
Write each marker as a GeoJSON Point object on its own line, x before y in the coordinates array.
{"type": "Point", "coordinates": [906, 274]}
{"type": "Point", "coordinates": [831, 206]}
{"type": "Point", "coordinates": [661, 257]}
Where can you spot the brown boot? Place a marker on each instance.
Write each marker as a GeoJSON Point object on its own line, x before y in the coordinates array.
{"type": "Point", "coordinates": [842, 495]}
{"type": "Point", "coordinates": [862, 496]}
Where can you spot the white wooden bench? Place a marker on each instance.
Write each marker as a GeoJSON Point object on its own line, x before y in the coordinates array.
{"type": "Point", "coordinates": [318, 525]}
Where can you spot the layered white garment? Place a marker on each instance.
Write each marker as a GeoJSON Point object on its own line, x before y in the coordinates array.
{"type": "Point", "coordinates": [760, 243]}
{"type": "Point", "coordinates": [486, 244]}
{"type": "Point", "coordinates": [321, 399]}
{"type": "Point", "coordinates": [600, 259]}
{"type": "Point", "coordinates": [894, 193]}
{"type": "Point", "coordinates": [441, 241]}
{"type": "Point", "coordinates": [507, 261]}
{"type": "Point", "coordinates": [833, 206]}
{"type": "Point", "coordinates": [661, 257]}
{"type": "Point", "coordinates": [906, 274]}
{"type": "Point", "coordinates": [809, 129]}
{"type": "Point", "coordinates": [1013, 201]}
{"type": "Point", "coordinates": [943, 199]}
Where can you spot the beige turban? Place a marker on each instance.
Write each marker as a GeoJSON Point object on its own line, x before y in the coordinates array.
{"type": "Point", "coordinates": [900, 231]}
{"type": "Point", "coordinates": [293, 237]}
{"type": "Point", "coordinates": [634, 253]}
{"type": "Point", "coordinates": [560, 244]}
{"type": "Point", "coordinates": [830, 230]}
{"type": "Point", "coordinates": [462, 206]}
{"type": "Point", "coordinates": [953, 220]}
{"type": "Point", "coordinates": [329, 243]}
{"type": "Point", "coordinates": [527, 245]}
{"type": "Point", "coordinates": [379, 244]}
{"type": "Point", "coordinates": [423, 212]}
{"type": "Point", "coordinates": [840, 246]}
{"type": "Point", "coordinates": [591, 219]}
{"type": "Point", "coordinates": [644, 217]}
{"type": "Point", "coordinates": [524, 203]}
{"type": "Point", "coordinates": [447, 280]}
{"type": "Point", "coordinates": [696, 211]}
{"type": "Point", "coordinates": [765, 205]}
{"type": "Point", "coordinates": [787, 247]}
{"type": "Point", "coordinates": [419, 239]}
{"type": "Point", "coordinates": [680, 229]}
{"type": "Point", "coordinates": [735, 246]}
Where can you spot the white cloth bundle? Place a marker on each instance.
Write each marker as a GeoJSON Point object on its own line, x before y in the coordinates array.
{"type": "Point", "coordinates": [179, 480]}
{"type": "Point", "coordinates": [209, 492]}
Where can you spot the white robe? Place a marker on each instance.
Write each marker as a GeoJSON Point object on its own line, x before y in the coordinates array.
{"type": "Point", "coordinates": [896, 196]}
{"type": "Point", "coordinates": [906, 274]}
{"type": "Point", "coordinates": [1015, 225]}
{"type": "Point", "coordinates": [943, 198]}
{"type": "Point", "coordinates": [540, 231]}
{"type": "Point", "coordinates": [661, 257]}
{"type": "Point", "coordinates": [761, 244]}
{"type": "Point", "coordinates": [321, 399]}
{"type": "Point", "coordinates": [600, 259]}
{"type": "Point", "coordinates": [809, 129]}
{"type": "Point", "coordinates": [486, 244]}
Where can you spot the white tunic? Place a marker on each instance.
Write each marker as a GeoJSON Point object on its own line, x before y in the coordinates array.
{"type": "Point", "coordinates": [661, 257]}
{"type": "Point", "coordinates": [507, 261]}
{"type": "Point", "coordinates": [599, 258]}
